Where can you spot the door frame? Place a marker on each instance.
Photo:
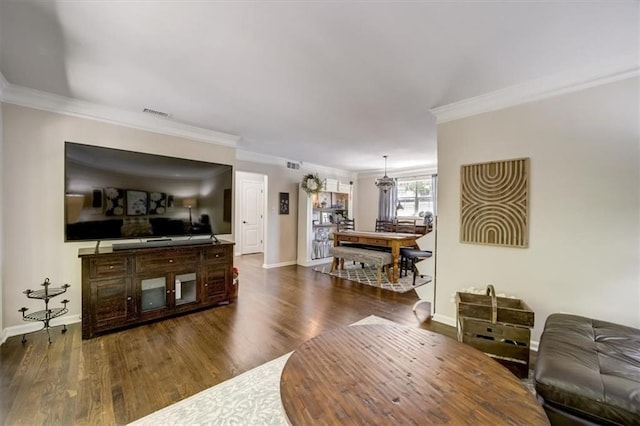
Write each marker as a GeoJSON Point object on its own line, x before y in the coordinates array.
{"type": "Point", "coordinates": [241, 177]}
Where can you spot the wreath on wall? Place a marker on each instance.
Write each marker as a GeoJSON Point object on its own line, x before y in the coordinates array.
{"type": "Point", "coordinates": [311, 184]}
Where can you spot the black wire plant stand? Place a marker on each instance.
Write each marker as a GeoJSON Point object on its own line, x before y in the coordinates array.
{"type": "Point", "coordinates": [47, 314]}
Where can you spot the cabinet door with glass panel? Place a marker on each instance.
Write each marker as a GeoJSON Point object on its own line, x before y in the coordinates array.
{"type": "Point", "coordinates": [161, 293]}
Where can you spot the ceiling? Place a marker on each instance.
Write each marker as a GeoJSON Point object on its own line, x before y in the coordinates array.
{"type": "Point", "coordinates": [338, 84]}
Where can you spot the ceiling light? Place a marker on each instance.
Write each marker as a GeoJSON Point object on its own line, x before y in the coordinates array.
{"type": "Point", "coordinates": [385, 183]}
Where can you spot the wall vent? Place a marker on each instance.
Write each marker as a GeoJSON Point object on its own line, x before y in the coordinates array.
{"type": "Point", "coordinates": [293, 165]}
{"type": "Point", "coordinates": [156, 113]}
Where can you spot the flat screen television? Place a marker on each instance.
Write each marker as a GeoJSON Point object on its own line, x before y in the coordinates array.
{"type": "Point", "coordinates": [116, 194]}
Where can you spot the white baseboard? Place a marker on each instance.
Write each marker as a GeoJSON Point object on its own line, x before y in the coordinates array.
{"type": "Point", "coordinates": [278, 265]}
{"type": "Point", "coordinates": [17, 330]}
{"type": "Point", "coordinates": [315, 262]}
{"type": "Point", "coordinates": [443, 319]}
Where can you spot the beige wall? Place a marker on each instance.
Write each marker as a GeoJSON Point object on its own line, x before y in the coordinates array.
{"type": "Point", "coordinates": [33, 174]}
{"type": "Point", "coordinates": [367, 204]}
{"type": "Point", "coordinates": [584, 205]}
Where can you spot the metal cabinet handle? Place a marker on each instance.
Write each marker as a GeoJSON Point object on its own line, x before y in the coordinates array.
{"type": "Point", "coordinates": [129, 298]}
{"type": "Point", "coordinates": [170, 260]}
{"type": "Point", "coordinates": [110, 266]}
{"type": "Point", "coordinates": [168, 291]}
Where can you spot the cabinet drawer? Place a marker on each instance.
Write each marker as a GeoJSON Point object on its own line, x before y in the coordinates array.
{"type": "Point", "coordinates": [216, 254]}
{"type": "Point", "coordinates": [353, 239]}
{"type": "Point", "coordinates": [105, 267]}
{"type": "Point", "coordinates": [374, 241]}
{"type": "Point", "coordinates": [364, 240]}
{"type": "Point", "coordinates": [160, 261]}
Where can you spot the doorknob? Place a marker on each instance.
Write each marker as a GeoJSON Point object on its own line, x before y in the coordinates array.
{"type": "Point", "coordinates": [244, 221]}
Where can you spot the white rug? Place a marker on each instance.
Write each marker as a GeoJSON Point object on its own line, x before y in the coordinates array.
{"type": "Point", "coordinates": [369, 276]}
{"type": "Point", "coordinates": [252, 398]}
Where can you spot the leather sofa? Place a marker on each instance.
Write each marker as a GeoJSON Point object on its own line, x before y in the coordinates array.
{"type": "Point", "coordinates": [587, 371]}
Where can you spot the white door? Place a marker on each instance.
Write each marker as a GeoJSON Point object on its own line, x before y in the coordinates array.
{"type": "Point", "coordinates": [252, 216]}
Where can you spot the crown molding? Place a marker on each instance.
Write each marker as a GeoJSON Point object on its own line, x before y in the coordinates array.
{"type": "Point", "coordinates": [31, 98]}
{"type": "Point", "coordinates": [533, 90]}
{"type": "Point", "coordinates": [305, 167]}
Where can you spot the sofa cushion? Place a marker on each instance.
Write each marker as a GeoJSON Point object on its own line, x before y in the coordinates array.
{"type": "Point", "coordinates": [590, 368]}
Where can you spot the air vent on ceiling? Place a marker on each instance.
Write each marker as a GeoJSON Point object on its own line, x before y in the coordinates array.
{"type": "Point", "coordinates": [293, 165]}
{"type": "Point", "coordinates": [156, 113]}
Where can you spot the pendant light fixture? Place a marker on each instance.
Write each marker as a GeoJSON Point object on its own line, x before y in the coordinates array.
{"type": "Point", "coordinates": [385, 183]}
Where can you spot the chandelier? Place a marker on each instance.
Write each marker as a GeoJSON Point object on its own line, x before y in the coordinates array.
{"type": "Point", "coordinates": [385, 183]}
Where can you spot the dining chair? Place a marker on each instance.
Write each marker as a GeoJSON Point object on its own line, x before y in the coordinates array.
{"type": "Point", "coordinates": [411, 257]}
{"type": "Point", "coordinates": [383, 225]}
{"type": "Point", "coordinates": [406, 226]}
{"type": "Point", "coordinates": [346, 224]}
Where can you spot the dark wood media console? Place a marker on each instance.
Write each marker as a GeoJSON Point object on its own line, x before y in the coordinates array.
{"type": "Point", "coordinates": [128, 287]}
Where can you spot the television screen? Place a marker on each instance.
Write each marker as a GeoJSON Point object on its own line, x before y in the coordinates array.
{"type": "Point", "coordinates": [118, 194]}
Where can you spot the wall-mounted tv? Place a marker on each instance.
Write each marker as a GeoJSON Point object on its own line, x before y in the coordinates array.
{"type": "Point", "coordinates": [117, 194]}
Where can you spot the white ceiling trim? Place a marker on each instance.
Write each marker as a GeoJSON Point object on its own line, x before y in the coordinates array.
{"type": "Point", "coordinates": [530, 91]}
{"type": "Point", "coordinates": [37, 99]}
{"type": "Point", "coordinates": [305, 167]}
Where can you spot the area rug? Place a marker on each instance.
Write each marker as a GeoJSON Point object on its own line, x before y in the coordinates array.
{"type": "Point", "coordinates": [369, 276]}
{"type": "Point", "coordinates": [252, 398]}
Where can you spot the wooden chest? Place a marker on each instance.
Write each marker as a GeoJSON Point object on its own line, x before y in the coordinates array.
{"type": "Point", "coordinates": [498, 326]}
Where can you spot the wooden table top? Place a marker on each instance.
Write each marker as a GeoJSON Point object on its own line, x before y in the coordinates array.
{"type": "Point", "coordinates": [381, 235]}
{"type": "Point", "coordinates": [385, 374]}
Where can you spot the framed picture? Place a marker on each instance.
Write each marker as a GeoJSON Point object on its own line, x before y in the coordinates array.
{"type": "Point", "coordinates": [113, 202]}
{"type": "Point", "coordinates": [136, 203]}
{"type": "Point", "coordinates": [284, 203]}
{"type": "Point", "coordinates": [494, 203]}
{"type": "Point", "coordinates": [157, 203]}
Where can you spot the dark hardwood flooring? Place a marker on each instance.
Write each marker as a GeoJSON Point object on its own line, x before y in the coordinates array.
{"type": "Point", "coordinates": [119, 377]}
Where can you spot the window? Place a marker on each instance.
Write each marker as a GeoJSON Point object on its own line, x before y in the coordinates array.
{"type": "Point", "coordinates": [417, 195]}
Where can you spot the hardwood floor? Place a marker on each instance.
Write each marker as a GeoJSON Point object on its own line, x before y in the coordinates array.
{"type": "Point", "coordinates": [119, 377]}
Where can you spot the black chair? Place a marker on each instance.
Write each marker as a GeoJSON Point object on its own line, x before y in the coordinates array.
{"type": "Point", "coordinates": [410, 256]}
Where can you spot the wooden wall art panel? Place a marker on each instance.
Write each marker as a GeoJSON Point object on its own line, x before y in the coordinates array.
{"type": "Point", "coordinates": [494, 203]}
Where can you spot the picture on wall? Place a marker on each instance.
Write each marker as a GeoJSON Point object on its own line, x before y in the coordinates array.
{"type": "Point", "coordinates": [113, 202]}
{"type": "Point", "coordinates": [284, 203]}
{"type": "Point", "coordinates": [494, 203]}
{"type": "Point", "coordinates": [157, 203]}
{"type": "Point", "coordinates": [136, 203]}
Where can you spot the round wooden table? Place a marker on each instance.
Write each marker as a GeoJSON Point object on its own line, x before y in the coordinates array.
{"type": "Point", "coordinates": [384, 374]}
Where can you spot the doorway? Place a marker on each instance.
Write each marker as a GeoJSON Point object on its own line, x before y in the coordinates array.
{"type": "Point", "coordinates": [250, 213]}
